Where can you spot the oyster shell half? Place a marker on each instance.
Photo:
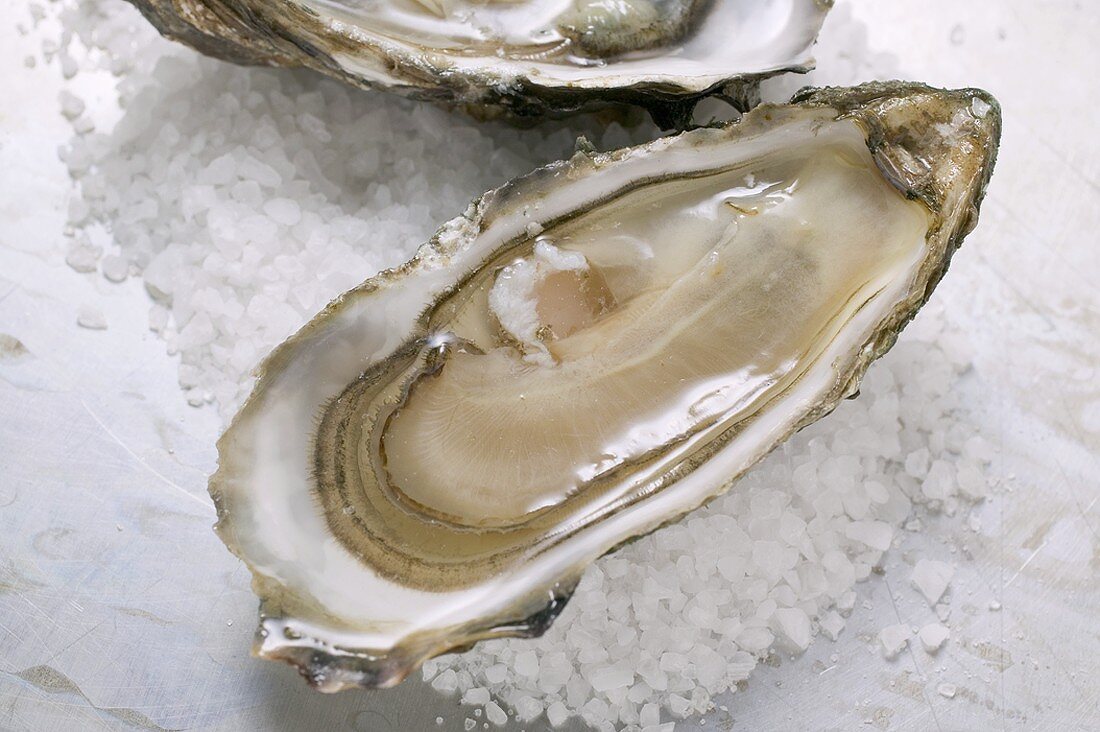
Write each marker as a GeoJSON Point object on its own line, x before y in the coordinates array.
{"type": "Point", "coordinates": [589, 352]}
{"type": "Point", "coordinates": [522, 58]}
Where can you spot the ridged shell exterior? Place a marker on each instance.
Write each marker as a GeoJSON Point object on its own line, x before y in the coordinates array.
{"type": "Point", "coordinates": [288, 33]}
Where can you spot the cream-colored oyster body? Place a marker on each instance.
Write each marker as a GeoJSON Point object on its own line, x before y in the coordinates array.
{"type": "Point", "coordinates": [517, 58]}
{"type": "Point", "coordinates": [589, 352]}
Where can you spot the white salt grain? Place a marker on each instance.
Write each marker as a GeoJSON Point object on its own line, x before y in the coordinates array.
{"type": "Point", "coordinates": [283, 211]}
{"type": "Point", "coordinates": [556, 714]}
{"type": "Point", "coordinates": [832, 624]}
{"type": "Point", "coordinates": [933, 636]}
{"type": "Point", "coordinates": [72, 106]}
{"type": "Point", "coordinates": [755, 640]}
{"type": "Point", "coordinates": [939, 484]}
{"type": "Point", "coordinates": [496, 673]}
{"type": "Point", "coordinates": [495, 714]}
{"type": "Point", "coordinates": [91, 317]}
{"type": "Point", "coordinates": [527, 708]}
{"type": "Point", "coordinates": [610, 677]}
{"type": "Point", "coordinates": [793, 626]}
{"type": "Point", "coordinates": [527, 663]}
{"type": "Point", "coordinates": [478, 695]}
{"type": "Point", "coordinates": [932, 577]}
{"type": "Point", "coordinates": [678, 705]}
{"type": "Point", "coordinates": [115, 268]}
{"type": "Point", "coordinates": [972, 482]}
{"type": "Point", "coordinates": [875, 534]}
{"type": "Point", "coordinates": [947, 691]}
{"type": "Point", "coordinates": [82, 256]}
{"type": "Point", "coordinates": [446, 682]}
{"type": "Point", "coordinates": [894, 639]}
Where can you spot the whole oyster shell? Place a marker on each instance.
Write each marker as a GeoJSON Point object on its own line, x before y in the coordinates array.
{"type": "Point", "coordinates": [521, 58]}
{"type": "Point", "coordinates": [589, 352]}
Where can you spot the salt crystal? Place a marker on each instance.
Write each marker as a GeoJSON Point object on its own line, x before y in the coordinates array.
{"type": "Point", "coordinates": [875, 534]}
{"type": "Point", "coordinates": [219, 172]}
{"type": "Point", "coordinates": [933, 636]}
{"type": "Point", "coordinates": [476, 695]}
{"type": "Point", "coordinates": [678, 705]}
{"type": "Point", "coordinates": [650, 715]}
{"type": "Point", "coordinates": [947, 691]}
{"type": "Point", "coordinates": [284, 211]}
{"type": "Point", "coordinates": [972, 482]}
{"type": "Point", "coordinates": [793, 626]}
{"type": "Point", "coordinates": [731, 568]}
{"type": "Point", "coordinates": [595, 711]}
{"type": "Point", "coordinates": [554, 671]}
{"type": "Point", "coordinates": [917, 462]}
{"type": "Point", "coordinates": [495, 714]}
{"type": "Point", "coordinates": [832, 624]}
{"type": "Point", "coordinates": [932, 577]}
{"type": "Point", "coordinates": [755, 640]}
{"type": "Point", "coordinates": [556, 714]}
{"type": "Point", "coordinates": [894, 638]}
{"type": "Point", "coordinates": [527, 708]}
{"type": "Point", "coordinates": [446, 682]}
{"type": "Point", "coordinates": [610, 677]}
{"type": "Point", "coordinates": [91, 317]}
{"type": "Point", "coordinates": [979, 107]}
{"type": "Point", "coordinates": [527, 664]}
{"type": "Point", "coordinates": [115, 268]}
{"type": "Point", "coordinates": [939, 484]}
{"type": "Point", "coordinates": [469, 724]}
{"type": "Point", "coordinates": [496, 673]}
{"type": "Point", "coordinates": [254, 169]}
{"type": "Point", "coordinates": [69, 66]}
{"type": "Point", "coordinates": [82, 257]}
{"type": "Point", "coordinates": [674, 663]}
{"type": "Point", "coordinates": [710, 668]}
{"type": "Point", "coordinates": [71, 106]}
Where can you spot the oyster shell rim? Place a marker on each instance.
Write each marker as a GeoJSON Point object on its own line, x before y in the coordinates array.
{"type": "Point", "coordinates": [485, 92]}
{"type": "Point", "coordinates": [335, 668]}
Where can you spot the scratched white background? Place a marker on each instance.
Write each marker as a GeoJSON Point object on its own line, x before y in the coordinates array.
{"type": "Point", "coordinates": [119, 608]}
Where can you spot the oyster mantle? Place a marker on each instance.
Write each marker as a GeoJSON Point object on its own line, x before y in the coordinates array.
{"type": "Point", "coordinates": [589, 352]}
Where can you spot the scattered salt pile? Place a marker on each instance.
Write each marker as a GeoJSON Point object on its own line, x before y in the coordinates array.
{"type": "Point", "coordinates": [246, 198]}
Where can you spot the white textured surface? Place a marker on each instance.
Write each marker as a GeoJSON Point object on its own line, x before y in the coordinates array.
{"type": "Point", "coordinates": [111, 576]}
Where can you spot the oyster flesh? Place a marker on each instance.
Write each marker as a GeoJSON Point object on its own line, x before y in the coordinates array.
{"type": "Point", "coordinates": [589, 352]}
{"type": "Point", "coordinates": [517, 57]}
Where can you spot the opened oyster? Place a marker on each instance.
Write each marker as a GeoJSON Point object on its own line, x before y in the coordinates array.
{"type": "Point", "coordinates": [519, 57]}
{"type": "Point", "coordinates": [589, 352]}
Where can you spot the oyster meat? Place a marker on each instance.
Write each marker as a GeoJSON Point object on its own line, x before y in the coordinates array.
{"type": "Point", "coordinates": [517, 57]}
{"type": "Point", "coordinates": [589, 352]}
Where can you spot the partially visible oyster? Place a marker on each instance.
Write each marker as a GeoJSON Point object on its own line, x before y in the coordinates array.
{"type": "Point", "coordinates": [589, 352]}
{"type": "Point", "coordinates": [522, 58]}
